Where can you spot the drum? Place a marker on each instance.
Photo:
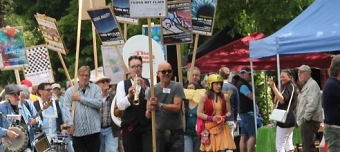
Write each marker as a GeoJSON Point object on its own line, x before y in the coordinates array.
{"type": "Point", "coordinates": [41, 143]}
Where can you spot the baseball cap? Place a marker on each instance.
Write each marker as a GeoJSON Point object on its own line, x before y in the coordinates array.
{"type": "Point", "coordinates": [12, 89]}
{"type": "Point", "coordinates": [245, 70]}
{"type": "Point", "coordinates": [56, 85]}
{"type": "Point", "coordinates": [28, 83]}
{"type": "Point", "coordinates": [305, 68]}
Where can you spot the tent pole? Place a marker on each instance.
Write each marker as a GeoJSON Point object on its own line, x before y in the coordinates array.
{"type": "Point", "coordinates": [265, 93]}
{"type": "Point", "coordinates": [254, 98]}
{"type": "Point", "coordinates": [278, 71]}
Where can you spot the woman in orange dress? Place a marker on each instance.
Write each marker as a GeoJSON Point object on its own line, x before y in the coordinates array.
{"type": "Point", "coordinates": [214, 108]}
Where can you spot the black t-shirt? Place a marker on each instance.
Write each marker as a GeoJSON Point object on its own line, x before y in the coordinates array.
{"type": "Point", "coordinates": [291, 117]}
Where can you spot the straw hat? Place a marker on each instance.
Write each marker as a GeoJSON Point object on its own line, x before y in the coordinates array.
{"type": "Point", "coordinates": [102, 77]}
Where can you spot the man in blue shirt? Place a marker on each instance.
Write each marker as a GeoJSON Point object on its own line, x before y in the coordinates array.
{"type": "Point", "coordinates": [232, 91]}
{"type": "Point", "coordinates": [248, 135]}
{"type": "Point", "coordinates": [52, 117]}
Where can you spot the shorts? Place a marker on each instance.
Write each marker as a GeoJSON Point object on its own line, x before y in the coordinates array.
{"type": "Point", "coordinates": [248, 125]}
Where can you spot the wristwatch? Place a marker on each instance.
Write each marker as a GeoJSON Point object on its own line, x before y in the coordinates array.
{"type": "Point", "coordinates": [161, 105]}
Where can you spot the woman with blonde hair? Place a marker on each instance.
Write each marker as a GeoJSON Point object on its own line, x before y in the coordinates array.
{"type": "Point", "coordinates": [284, 131]}
{"type": "Point", "coordinates": [214, 108]}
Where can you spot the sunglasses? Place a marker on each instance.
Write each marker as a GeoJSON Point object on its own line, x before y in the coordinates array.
{"type": "Point", "coordinates": [103, 81]}
{"type": "Point", "coordinates": [165, 71]}
{"type": "Point", "coordinates": [48, 90]}
{"type": "Point", "coordinates": [16, 94]}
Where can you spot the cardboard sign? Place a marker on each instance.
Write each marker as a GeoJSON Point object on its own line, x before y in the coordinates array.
{"type": "Point", "coordinates": [121, 9]}
{"type": "Point", "coordinates": [148, 8]}
{"type": "Point", "coordinates": [112, 64]}
{"type": "Point", "coordinates": [203, 15]}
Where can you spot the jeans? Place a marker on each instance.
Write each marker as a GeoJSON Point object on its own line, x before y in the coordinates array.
{"type": "Point", "coordinates": [192, 144]}
{"type": "Point", "coordinates": [332, 137]}
{"type": "Point", "coordinates": [108, 143]}
{"type": "Point", "coordinates": [170, 140]}
{"type": "Point", "coordinates": [68, 140]}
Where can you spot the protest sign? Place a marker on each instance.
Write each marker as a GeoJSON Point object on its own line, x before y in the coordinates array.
{"type": "Point", "coordinates": [156, 35]}
{"type": "Point", "coordinates": [177, 27]}
{"type": "Point", "coordinates": [40, 69]}
{"type": "Point", "coordinates": [121, 9]}
{"type": "Point", "coordinates": [52, 36]}
{"type": "Point", "coordinates": [148, 8]}
{"type": "Point", "coordinates": [203, 15]}
{"type": "Point", "coordinates": [12, 48]}
{"type": "Point", "coordinates": [106, 25]}
{"type": "Point", "coordinates": [112, 64]}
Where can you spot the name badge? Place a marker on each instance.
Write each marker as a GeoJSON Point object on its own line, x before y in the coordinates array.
{"type": "Point", "coordinates": [166, 90]}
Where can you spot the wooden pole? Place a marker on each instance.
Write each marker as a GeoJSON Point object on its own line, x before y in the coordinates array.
{"type": "Point", "coordinates": [125, 37]}
{"type": "Point", "coordinates": [17, 76]}
{"type": "Point", "coordinates": [77, 56]}
{"type": "Point", "coordinates": [179, 64]}
{"type": "Point", "coordinates": [65, 68]}
{"type": "Point", "coordinates": [152, 90]}
{"type": "Point", "coordinates": [94, 41]}
{"type": "Point", "coordinates": [193, 57]}
{"type": "Point", "coordinates": [121, 59]}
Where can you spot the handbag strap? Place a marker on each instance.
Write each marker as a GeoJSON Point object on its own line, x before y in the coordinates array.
{"type": "Point", "coordinates": [291, 97]}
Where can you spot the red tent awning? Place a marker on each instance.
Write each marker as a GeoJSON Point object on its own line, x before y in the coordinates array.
{"type": "Point", "coordinates": [235, 55]}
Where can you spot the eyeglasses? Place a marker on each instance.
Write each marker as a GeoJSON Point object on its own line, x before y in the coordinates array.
{"type": "Point", "coordinates": [165, 71]}
{"type": "Point", "coordinates": [48, 90]}
{"type": "Point", "coordinates": [103, 81]}
{"type": "Point", "coordinates": [136, 67]}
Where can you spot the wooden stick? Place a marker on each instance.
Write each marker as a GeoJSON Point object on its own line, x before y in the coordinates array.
{"type": "Point", "coordinates": [121, 58]}
{"type": "Point", "coordinates": [17, 76]}
{"type": "Point", "coordinates": [125, 37]}
{"type": "Point", "coordinates": [175, 79]}
{"type": "Point", "coordinates": [65, 68]}
{"type": "Point", "coordinates": [152, 89]}
{"type": "Point", "coordinates": [77, 56]}
{"type": "Point", "coordinates": [179, 63]}
{"type": "Point", "coordinates": [94, 41]}
{"type": "Point", "coordinates": [193, 57]}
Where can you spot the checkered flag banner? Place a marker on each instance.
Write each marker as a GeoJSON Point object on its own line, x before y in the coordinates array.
{"type": "Point", "coordinates": [40, 69]}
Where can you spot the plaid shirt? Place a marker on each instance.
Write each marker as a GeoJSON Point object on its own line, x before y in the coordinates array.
{"type": "Point", "coordinates": [105, 116]}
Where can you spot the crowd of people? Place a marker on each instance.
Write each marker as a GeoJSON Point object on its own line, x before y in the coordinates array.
{"type": "Point", "coordinates": [88, 126]}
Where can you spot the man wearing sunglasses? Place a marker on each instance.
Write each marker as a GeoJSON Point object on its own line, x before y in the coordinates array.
{"type": "Point", "coordinates": [167, 104]}
{"type": "Point", "coordinates": [109, 130]}
{"type": "Point", "coordinates": [13, 107]}
{"type": "Point", "coordinates": [53, 116]}
{"type": "Point", "coordinates": [137, 134]}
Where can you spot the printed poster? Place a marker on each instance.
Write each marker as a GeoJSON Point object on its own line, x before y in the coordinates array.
{"type": "Point", "coordinates": [203, 15]}
{"type": "Point", "coordinates": [40, 69]}
{"type": "Point", "coordinates": [177, 27]}
{"type": "Point", "coordinates": [112, 64]}
{"type": "Point", "coordinates": [12, 47]}
{"type": "Point", "coordinates": [106, 25]}
{"type": "Point", "coordinates": [156, 35]}
{"type": "Point", "coordinates": [121, 8]}
{"type": "Point", "coordinates": [148, 8]}
{"type": "Point", "coordinates": [52, 36]}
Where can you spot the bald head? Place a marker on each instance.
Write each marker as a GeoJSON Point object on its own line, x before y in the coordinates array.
{"type": "Point", "coordinates": [164, 72]}
{"type": "Point", "coordinates": [164, 65]}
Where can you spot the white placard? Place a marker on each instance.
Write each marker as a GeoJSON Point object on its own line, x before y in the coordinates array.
{"type": "Point", "coordinates": [112, 64]}
{"type": "Point", "coordinates": [40, 69]}
{"type": "Point", "coordinates": [148, 8]}
{"type": "Point", "coordinates": [139, 45]}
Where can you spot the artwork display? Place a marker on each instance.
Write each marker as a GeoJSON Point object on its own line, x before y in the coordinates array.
{"type": "Point", "coordinates": [112, 63]}
{"type": "Point", "coordinates": [121, 9]}
{"type": "Point", "coordinates": [12, 47]}
{"type": "Point", "coordinates": [203, 15]}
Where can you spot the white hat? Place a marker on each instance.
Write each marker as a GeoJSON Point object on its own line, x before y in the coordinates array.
{"type": "Point", "coordinates": [56, 85]}
{"type": "Point", "coordinates": [102, 77]}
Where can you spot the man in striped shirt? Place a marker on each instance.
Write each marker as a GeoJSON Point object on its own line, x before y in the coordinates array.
{"type": "Point", "coordinates": [85, 127]}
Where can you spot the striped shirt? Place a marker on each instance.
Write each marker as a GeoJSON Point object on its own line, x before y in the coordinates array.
{"type": "Point", "coordinates": [105, 116]}
{"type": "Point", "coordinates": [87, 116]}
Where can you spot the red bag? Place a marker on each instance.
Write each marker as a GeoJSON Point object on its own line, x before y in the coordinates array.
{"type": "Point", "coordinates": [205, 138]}
{"type": "Point", "coordinates": [199, 126]}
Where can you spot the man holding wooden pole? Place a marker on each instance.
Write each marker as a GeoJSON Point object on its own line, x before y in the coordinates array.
{"type": "Point", "coordinates": [85, 127]}
{"type": "Point", "coordinates": [167, 105]}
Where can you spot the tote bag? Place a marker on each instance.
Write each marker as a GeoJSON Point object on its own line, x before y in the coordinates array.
{"type": "Point", "coordinates": [280, 115]}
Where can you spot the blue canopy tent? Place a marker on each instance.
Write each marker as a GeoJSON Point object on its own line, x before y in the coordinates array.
{"type": "Point", "coordinates": [317, 29]}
